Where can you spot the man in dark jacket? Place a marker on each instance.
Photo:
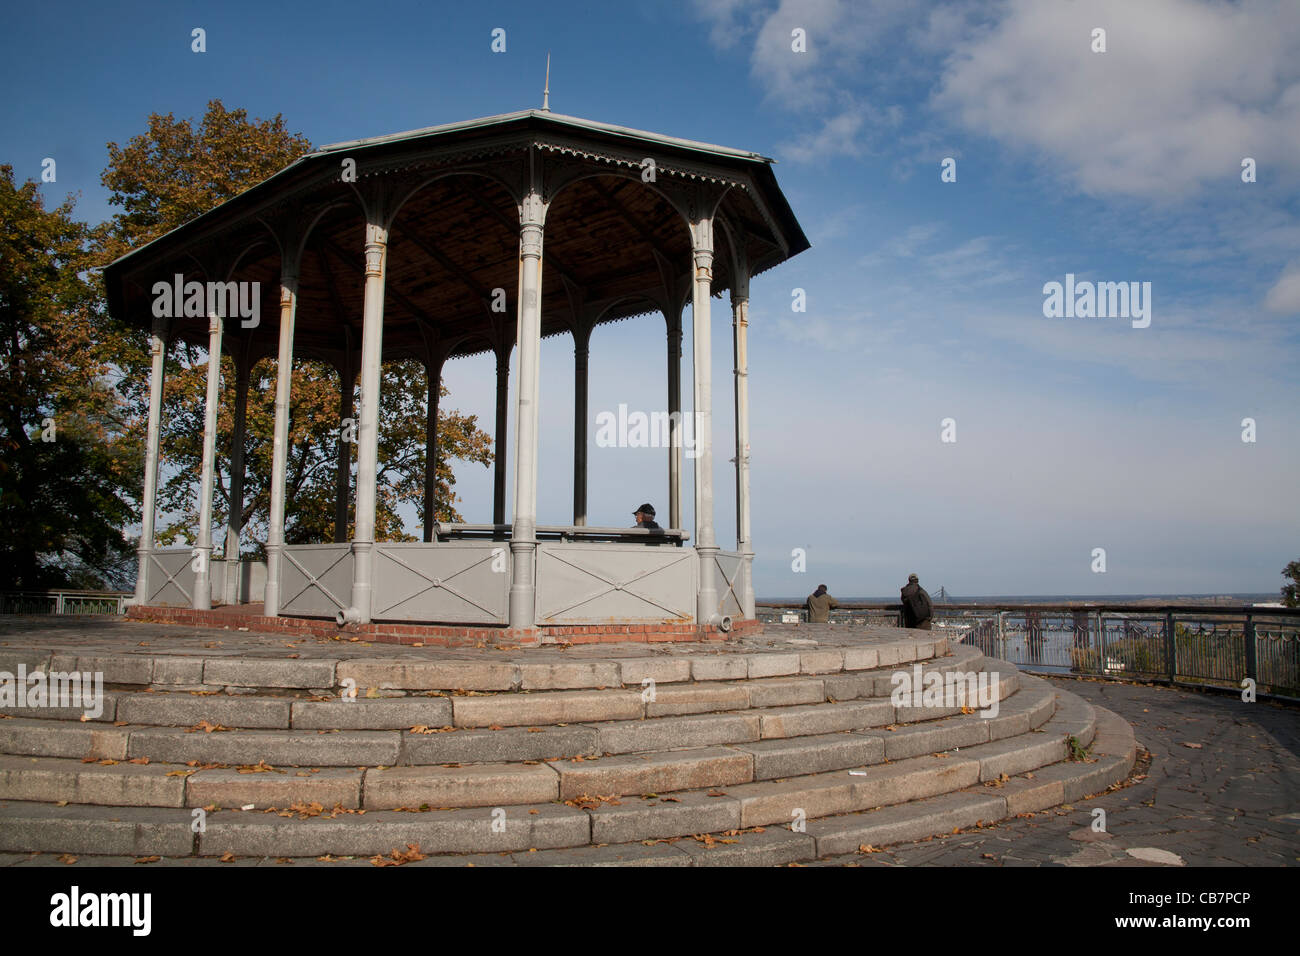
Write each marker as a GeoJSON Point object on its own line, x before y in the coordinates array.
{"type": "Point", "coordinates": [819, 605]}
{"type": "Point", "coordinates": [916, 604]}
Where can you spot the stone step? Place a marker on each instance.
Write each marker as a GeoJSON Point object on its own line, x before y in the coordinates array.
{"type": "Point", "coordinates": [53, 780]}
{"type": "Point", "coordinates": [486, 781]}
{"type": "Point", "coordinates": [30, 827]}
{"type": "Point", "coordinates": [242, 706]}
{"type": "Point", "coordinates": [327, 748]}
{"type": "Point", "coordinates": [278, 748]}
{"type": "Point", "coordinates": [263, 668]}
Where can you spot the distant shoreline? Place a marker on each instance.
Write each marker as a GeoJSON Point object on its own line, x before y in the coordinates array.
{"type": "Point", "coordinates": [1206, 599]}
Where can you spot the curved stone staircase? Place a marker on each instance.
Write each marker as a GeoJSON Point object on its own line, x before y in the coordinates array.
{"type": "Point", "coordinates": [764, 752]}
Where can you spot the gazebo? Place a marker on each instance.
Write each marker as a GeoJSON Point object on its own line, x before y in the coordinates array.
{"type": "Point", "coordinates": [445, 242]}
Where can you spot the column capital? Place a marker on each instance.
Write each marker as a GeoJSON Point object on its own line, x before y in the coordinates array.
{"type": "Point", "coordinates": [376, 246]}
{"type": "Point", "coordinates": [703, 266]}
{"type": "Point", "coordinates": [530, 240]}
{"type": "Point", "coordinates": [532, 211]}
{"type": "Point", "coordinates": [702, 236]}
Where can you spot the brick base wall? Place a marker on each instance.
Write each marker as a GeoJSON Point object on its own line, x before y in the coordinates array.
{"type": "Point", "coordinates": [447, 635]}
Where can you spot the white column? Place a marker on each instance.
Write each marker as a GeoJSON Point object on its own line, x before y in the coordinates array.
{"type": "Point", "coordinates": [740, 327]}
{"type": "Point", "coordinates": [158, 356]}
{"type": "Point", "coordinates": [280, 437]}
{"type": "Point", "coordinates": [235, 519]}
{"type": "Point", "coordinates": [343, 474]}
{"type": "Point", "coordinates": [523, 535]}
{"type": "Point", "coordinates": [705, 544]}
{"type": "Point", "coordinates": [203, 549]}
{"type": "Point", "coordinates": [581, 352]}
{"type": "Point", "coordinates": [675, 419]}
{"type": "Point", "coordinates": [433, 371]}
{"type": "Point", "coordinates": [500, 458]}
{"type": "Point", "coordinates": [372, 335]}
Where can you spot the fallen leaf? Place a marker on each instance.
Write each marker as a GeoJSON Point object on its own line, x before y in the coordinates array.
{"type": "Point", "coordinates": [399, 857]}
{"type": "Point", "coordinates": [228, 858]}
{"type": "Point", "coordinates": [67, 858]}
{"type": "Point", "coordinates": [260, 767]}
{"type": "Point", "coordinates": [147, 859]}
{"type": "Point", "coordinates": [206, 726]}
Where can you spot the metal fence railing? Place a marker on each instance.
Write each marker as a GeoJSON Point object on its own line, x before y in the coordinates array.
{"type": "Point", "coordinates": [64, 602]}
{"type": "Point", "coordinates": [1216, 646]}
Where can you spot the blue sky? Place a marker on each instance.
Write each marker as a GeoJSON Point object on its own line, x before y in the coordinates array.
{"type": "Point", "coordinates": [924, 298]}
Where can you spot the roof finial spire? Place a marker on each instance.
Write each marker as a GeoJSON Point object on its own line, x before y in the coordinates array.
{"type": "Point", "coordinates": [546, 93]}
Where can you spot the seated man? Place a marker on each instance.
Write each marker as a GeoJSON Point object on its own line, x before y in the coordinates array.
{"type": "Point", "coordinates": [820, 604]}
{"type": "Point", "coordinates": [645, 517]}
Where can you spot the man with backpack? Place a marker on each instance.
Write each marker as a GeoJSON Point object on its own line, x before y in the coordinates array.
{"type": "Point", "coordinates": [916, 604]}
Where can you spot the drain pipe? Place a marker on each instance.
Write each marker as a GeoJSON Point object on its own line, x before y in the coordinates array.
{"type": "Point", "coordinates": [348, 615]}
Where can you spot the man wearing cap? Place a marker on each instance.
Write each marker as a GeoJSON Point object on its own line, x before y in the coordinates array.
{"type": "Point", "coordinates": [645, 517]}
{"type": "Point", "coordinates": [916, 604]}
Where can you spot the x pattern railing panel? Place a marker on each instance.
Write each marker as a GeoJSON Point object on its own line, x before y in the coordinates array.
{"type": "Point", "coordinates": [727, 578]}
{"type": "Point", "coordinates": [316, 579]}
{"type": "Point", "coordinates": [171, 578]}
{"type": "Point", "coordinates": [578, 585]}
{"type": "Point", "coordinates": [452, 583]}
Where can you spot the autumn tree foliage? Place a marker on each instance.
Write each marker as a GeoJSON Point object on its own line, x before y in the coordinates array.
{"type": "Point", "coordinates": [171, 173]}
{"type": "Point", "coordinates": [68, 461]}
{"type": "Point", "coordinates": [74, 385]}
{"type": "Point", "coordinates": [1290, 595]}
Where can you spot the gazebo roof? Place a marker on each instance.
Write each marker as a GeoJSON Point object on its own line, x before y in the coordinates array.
{"type": "Point", "coordinates": [615, 246]}
{"type": "Point", "coordinates": [576, 122]}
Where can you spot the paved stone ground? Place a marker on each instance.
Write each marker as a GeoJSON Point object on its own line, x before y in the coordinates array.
{"type": "Point", "coordinates": [1231, 798]}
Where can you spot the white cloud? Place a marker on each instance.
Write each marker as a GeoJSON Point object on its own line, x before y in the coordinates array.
{"type": "Point", "coordinates": [730, 20]}
{"type": "Point", "coordinates": [839, 136]}
{"type": "Point", "coordinates": [1185, 90]}
{"type": "Point", "coordinates": [841, 41]}
{"type": "Point", "coordinates": [1284, 297]}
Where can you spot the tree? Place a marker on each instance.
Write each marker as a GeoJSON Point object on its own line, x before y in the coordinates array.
{"type": "Point", "coordinates": [67, 465]}
{"type": "Point", "coordinates": [1290, 595]}
{"type": "Point", "coordinates": [162, 179]}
